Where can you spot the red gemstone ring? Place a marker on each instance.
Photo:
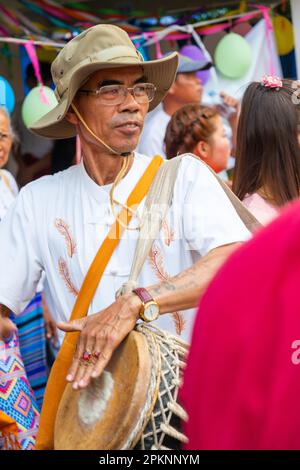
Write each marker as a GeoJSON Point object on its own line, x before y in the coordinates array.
{"type": "Point", "coordinates": [86, 356]}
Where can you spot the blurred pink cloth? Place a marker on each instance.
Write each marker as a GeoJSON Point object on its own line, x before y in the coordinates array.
{"type": "Point", "coordinates": [242, 381]}
{"type": "Point", "coordinates": [260, 208]}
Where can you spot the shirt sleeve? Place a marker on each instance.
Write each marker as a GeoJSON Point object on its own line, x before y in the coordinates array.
{"type": "Point", "coordinates": [209, 218]}
{"type": "Point", "coordinates": [21, 266]}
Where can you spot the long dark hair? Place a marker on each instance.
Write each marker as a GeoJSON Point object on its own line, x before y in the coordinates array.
{"type": "Point", "coordinates": [268, 151]}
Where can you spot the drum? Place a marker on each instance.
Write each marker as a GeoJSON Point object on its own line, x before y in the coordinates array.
{"type": "Point", "coordinates": [134, 404]}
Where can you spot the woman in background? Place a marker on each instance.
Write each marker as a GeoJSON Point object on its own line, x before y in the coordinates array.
{"type": "Point", "coordinates": [267, 170]}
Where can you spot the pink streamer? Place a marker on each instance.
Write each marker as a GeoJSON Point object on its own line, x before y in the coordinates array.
{"type": "Point", "coordinates": [11, 17]}
{"type": "Point", "coordinates": [4, 32]}
{"type": "Point", "coordinates": [247, 17]}
{"type": "Point", "coordinates": [157, 49]}
{"type": "Point", "coordinates": [54, 11]}
{"type": "Point", "coordinates": [30, 49]}
{"type": "Point", "coordinates": [213, 29]}
{"type": "Point", "coordinates": [78, 150]}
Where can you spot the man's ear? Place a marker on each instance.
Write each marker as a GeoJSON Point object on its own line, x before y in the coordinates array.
{"type": "Point", "coordinates": [172, 90]}
{"type": "Point", "coordinates": [71, 116]}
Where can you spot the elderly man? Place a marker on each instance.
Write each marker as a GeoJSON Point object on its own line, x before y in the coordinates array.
{"type": "Point", "coordinates": [104, 91]}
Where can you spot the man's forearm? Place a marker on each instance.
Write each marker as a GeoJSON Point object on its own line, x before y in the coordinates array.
{"type": "Point", "coordinates": [184, 290]}
{"type": "Point", "coordinates": [4, 311]}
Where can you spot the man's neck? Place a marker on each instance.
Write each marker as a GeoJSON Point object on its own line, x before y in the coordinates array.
{"type": "Point", "coordinates": [102, 167]}
{"type": "Point", "coordinates": [170, 106]}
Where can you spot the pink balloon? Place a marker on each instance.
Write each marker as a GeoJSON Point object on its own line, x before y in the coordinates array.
{"type": "Point", "coordinates": [195, 53]}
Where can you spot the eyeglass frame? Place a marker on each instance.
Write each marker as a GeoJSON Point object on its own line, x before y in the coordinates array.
{"type": "Point", "coordinates": [96, 92]}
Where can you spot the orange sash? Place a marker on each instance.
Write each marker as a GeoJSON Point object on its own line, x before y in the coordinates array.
{"type": "Point", "coordinates": [57, 379]}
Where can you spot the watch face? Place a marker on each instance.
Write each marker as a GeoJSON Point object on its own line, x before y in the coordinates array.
{"type": "Point", "coordinates": [151, 311]}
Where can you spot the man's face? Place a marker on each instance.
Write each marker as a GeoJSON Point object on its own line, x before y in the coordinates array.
{"type": "Point", "coordinates": [120, 125]}
{"type": "Point", "coordinates": [187, 88]}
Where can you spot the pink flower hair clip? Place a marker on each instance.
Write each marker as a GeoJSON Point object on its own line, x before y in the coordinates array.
{"type": "Point", "coordinates": [270, 81]}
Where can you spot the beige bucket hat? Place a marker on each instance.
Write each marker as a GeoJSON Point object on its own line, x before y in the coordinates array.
{"type": "Point", "coordinates": [99, 47]}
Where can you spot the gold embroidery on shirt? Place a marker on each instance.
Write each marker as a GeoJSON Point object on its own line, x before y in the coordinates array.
{"type": "Point", "coordinates": [64, 229]}
{"type": "Point", "coordinates": [65, 274]}
{"type": "Point", "coordinates": [156, 262]}
{"type": "Point", "coordinates": [168, 233]}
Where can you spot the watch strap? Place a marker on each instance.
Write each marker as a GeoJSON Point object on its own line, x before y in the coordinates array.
{"type": "Point", "coordinates": [143, 294]}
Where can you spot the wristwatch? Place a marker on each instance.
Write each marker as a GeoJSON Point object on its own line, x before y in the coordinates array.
{"type": "Point", "coordinates": [150, 308]}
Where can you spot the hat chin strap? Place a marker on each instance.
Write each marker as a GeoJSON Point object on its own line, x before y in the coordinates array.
{"type": "Point", "coordinates": [124, 154]}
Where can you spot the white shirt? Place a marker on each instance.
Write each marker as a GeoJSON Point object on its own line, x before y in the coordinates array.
{"type": "Point", "coordinates": [8, 191]}
{"type": "Point", "coordinates": [58, 223]}
{"type": "Point", "coordinates": [152, 138]}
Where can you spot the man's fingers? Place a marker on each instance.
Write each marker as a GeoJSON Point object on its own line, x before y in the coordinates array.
{"type": "Point", "coordinates": [54, 333]}
{"type": "Point", "coordinates": [83, 373]}
{"type": "Point", "coordinates": [48, 330]}
{"type": "Point", "coordinates": [102, 351]}
{"type": "Point", "coordinates": [101, 363]}
{"type": "Point", "coordinates": [7, 328]}
{"type": "Point", "coordinates": [76, 361]}
{"type": "Point", "coordinates": [74, 325]}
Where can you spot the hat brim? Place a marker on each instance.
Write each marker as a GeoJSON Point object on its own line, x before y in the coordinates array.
{"type": "Point", "coordinates": [194, 66]}
{"type": "Point", "coordinates": [160, 72]}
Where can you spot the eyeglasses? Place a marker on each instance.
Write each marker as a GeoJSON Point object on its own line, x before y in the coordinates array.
{"type": "Point", "coordinates": [112, 95]}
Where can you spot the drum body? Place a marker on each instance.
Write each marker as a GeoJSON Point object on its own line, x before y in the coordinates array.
{"type": "Point", "coordinates": [134, 404]}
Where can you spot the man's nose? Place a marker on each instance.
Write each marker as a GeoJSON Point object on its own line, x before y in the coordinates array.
{"type": "Point", "coordinates": [130, 103]}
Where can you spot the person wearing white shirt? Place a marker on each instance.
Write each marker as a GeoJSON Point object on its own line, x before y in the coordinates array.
{"type": "Point", "coordinates": [186, 89]}
{"type": "Point", "coordinates": [60, 221]}
{"type": "Point", "coordinates": [8, 185]}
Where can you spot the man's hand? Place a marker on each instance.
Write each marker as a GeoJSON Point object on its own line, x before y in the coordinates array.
{"type": "Point", "coordinates": [232, 103]}
{"type": "Point", "coordinates": [50, 324]}
{"type": "Point", "coordinates": [233, 118]}
{"type": "Point", "coordinates": [7, 327]}
{"type": "Point", "coordinates": [100, 335]}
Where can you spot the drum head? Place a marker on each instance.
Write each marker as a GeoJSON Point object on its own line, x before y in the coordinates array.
{"type": "Point", "coordinates": [103, 415]}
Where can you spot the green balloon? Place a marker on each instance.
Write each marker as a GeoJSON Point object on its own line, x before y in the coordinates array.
{"type": "Point", "coordinates": [233, 56]}
{"type": "Point", "coordinates": [39, 101]}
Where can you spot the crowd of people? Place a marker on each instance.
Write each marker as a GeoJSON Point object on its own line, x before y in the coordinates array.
{"type": "Point", "coordinates": [69, 238]}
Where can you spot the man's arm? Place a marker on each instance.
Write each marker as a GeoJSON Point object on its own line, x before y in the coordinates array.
{"type": "Point", "coordinates": [104, 331]}
{"type": "Point", "coordinates": [6, 325]}
{"type": "Point", "coordinates": [184, 290]}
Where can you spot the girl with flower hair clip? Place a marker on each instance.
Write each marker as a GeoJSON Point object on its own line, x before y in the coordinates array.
{"type": "Point", "coordinates": [267, 171]}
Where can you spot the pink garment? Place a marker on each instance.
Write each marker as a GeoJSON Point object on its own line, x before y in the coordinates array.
{"type": "Point", "coordinates": [260, 208]}
{"type": "Point", "coordinates": [242, 382]}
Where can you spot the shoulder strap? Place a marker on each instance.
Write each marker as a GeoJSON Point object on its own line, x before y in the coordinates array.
{"type": "Point", "coordinates": [244, 214]}
{"type": "Point", "coordinates": [158, 201]}
{"type": "Point", "coordinates": [97, 268]}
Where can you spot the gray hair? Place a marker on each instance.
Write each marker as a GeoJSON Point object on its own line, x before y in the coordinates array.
{"type": "Point", "coordinates": [5, 113]}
